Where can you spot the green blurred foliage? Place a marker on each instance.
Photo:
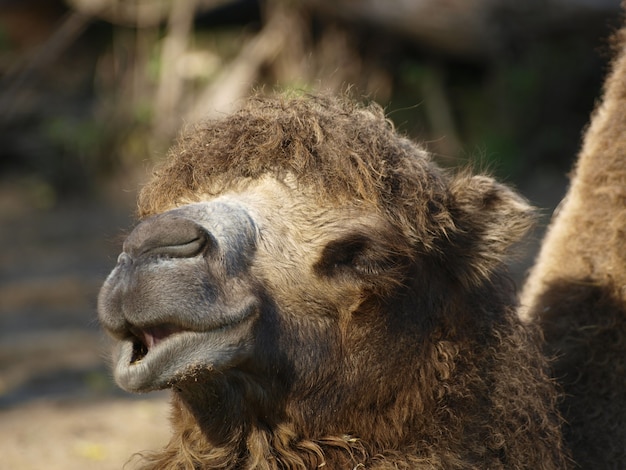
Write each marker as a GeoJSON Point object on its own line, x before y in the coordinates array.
{"type": "Point", "coordinates": [517, 113]}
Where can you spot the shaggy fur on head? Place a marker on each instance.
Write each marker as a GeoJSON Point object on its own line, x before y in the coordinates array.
{"type": "Point", "coordinates": [345, 152]}
{"type": "Point", "coordinates": [430, 369]}
{"type": "Point", "coordinates": [348, 154]}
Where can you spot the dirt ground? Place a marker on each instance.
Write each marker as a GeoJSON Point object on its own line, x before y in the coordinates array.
{"type": "Point", "coordinates": [59, 408]}
{"type": "Point", "coordinates": [91, 434]}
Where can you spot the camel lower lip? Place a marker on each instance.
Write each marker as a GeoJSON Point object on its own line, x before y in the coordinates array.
{"type": "Point", "coordinates": [173, 357]}
{"type": "Point", "coordinates": [140, 369]}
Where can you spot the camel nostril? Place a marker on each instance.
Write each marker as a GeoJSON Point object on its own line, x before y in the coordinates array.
{"type": "Point", "coordinates": [187, 249]}
{"type": "Point", "coordinates": [167, 235]}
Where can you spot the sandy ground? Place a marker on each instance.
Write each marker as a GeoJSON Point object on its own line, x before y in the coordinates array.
{"type": "Point", "coordinates": [59, 408]}
{"type": "Point", "coordinates": [94, 435]}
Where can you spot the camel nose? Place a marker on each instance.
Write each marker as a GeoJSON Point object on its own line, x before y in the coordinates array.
{"type": "Point", "coordinates": [167, 235]}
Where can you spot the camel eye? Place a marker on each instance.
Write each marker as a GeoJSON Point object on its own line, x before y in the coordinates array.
{"type": "Point", "coordinates": [350, 255]}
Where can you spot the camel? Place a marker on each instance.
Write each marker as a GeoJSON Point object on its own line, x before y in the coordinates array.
{"type": "Point", "coordinates": [317, 293]}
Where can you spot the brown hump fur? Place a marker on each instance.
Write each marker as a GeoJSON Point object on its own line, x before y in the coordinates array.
{"type": "Point", "coordinates": [577, 290]}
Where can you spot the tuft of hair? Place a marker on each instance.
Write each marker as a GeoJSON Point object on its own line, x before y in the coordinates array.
{"type": "Point", "coordinates": [348, 153]}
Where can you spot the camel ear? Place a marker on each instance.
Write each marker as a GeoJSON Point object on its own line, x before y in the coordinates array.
{"type": "Point", "coordinates": [489, 217]}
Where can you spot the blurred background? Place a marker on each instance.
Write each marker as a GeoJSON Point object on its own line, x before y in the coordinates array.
{"type": "Point", "coordinates": [92, 93]}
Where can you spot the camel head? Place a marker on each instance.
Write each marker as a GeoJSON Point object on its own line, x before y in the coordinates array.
{"type": "Point", "coordinates": [300, 261]}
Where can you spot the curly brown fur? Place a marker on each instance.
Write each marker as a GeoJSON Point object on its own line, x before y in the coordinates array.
{"type": "Point", "coordinates": [576, 289]}
{"type": "Point", "coordinates": [343, 151]}
{"type": "Point", "coordinates": [409, 355]}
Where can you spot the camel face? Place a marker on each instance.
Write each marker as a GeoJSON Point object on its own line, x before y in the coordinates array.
{"type": "Point", "coordinates": [198, 287]}
{"type": "Point", "coordinates": [317, 292]}
{"type": "Point", "coordinates": [175, 300]}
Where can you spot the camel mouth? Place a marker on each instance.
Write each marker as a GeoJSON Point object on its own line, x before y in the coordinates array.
{"type": "Point", "coordinates": [145, 339]}
{"type": "Point", "coordinates": [150, 358]}
{"type": "Point", "coordinates": [158, 357]}
{"type": "Point", "coordinates": [140, 350]}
